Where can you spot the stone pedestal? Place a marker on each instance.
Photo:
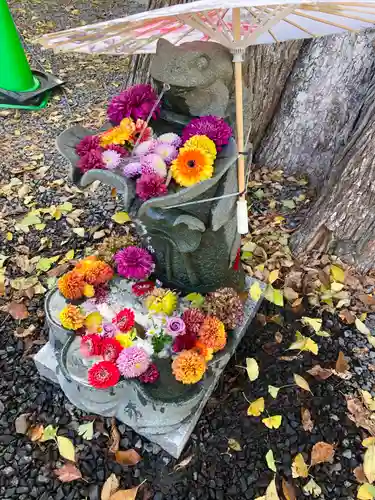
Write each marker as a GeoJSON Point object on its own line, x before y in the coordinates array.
{"type": "Point", "coordinates": [165, 421]}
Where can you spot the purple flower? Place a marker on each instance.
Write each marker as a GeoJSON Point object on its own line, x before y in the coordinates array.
{"type": "Point", "coordinates": [170, 138]}
{"type": "Point", "coordinates": [132, 169]}
{"type": "Point", "coordinates": [111, 159]}
{"type": "Point", "coordinates": [109, 330]}
{"type": "Point", "coordinates": [153, 164]}
{"type": "Point", "coordinates": [167, 152]}
{"type": "Point", "coordinates": [145, 148]}
{"type": "Point", "coordinates": [213, 127]}
{"type": "Point", "coordinates": [175, 326]}
{"type": "Point", "coordinates": [133, 361]}
{"type": "Point", "coordinates": [134, 263]}
{"type": "Point", "coordinates": [136, 102]}
{"type": "Point", "coordinates": [91, 160]}
{"type": "Point", "coordinates": [87, 144]}
{"type": "Point", "coordinates": [150, 186]}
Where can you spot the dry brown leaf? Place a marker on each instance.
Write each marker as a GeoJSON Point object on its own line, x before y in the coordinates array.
{"type": "Point", "coordinates": [22, 333]}
{"type": "Point", "coordinates": [110, 487]}
{"type": "Point", "coordinates": [115, 437]}
{"type": "Point", "coordinates": [184, 463]}
{"type": "Point", "coordinates": [278, 337]}
{"type": "Point", "coordinates": [290, 358]}
{"type": "Point", "coordinates": [290, 294]}
{"type": "Point", "coordinates": [127, 457]}
{"type": "Point", "coordinates": [360, 474]}
{"type": "Point", "coordinates": [360, 415]}
{"type": "Point", "coordinates": [36, 432]}
{"type": "Point", "coordinates": [322, 452]}
{"type": "Point", "coordinates": [307, 423]}
{"type": "Point", "coordinates": [320, 373]}
{"type": "Point", "coordinates": [342, 366]}
{"type": "Point", "coordinates": [68, 473]}
{"type": "Point", "coordinates": [367, 300]}
{"type": "Point", "coordinates": [126, 494]}
{"type": "Point", "coordinates": [58, 270]}
{"type": "Point", "coordinates": [346, 316]}
{"type": "Point", "coordinates": [16, 310]}
{"type": "Point", "coordinates": [288, 490]}
{"type": "Point", "coordinates": [262, 319]}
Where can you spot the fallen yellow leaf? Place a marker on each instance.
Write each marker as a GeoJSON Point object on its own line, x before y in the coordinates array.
{"type": "Point", "coordinates": [369, 464]}
{"type": "Point", "coordinates": [256, 408]}
{"type": "Point", "coordinates": [272, 422]}
{"type": "Point", "coordinates": [299, 467]}
{"type": "Point", "coordinates": [252, 368]}
{"type": "Point", "coordinates": [301, 382]}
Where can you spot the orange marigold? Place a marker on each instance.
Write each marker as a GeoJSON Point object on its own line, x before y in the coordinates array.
{"type": "Point", "coordinates": [189, 367]}
{"type": "Point", "coordinates": [71, 285]}
{"type": "Point", "coordinates": [212, 334]}
{"type": "Point", "coordinates": [72, 318]}
{"type": "Point", "coordinates": [204, 351]}
{"type": "Point", "coordinates": [95, 272]}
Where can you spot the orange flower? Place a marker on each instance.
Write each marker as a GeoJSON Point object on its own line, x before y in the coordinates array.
{"type": "Point", "coordinates": [71, 285]}
{"type": "Point", "coordinates": [204, 351]}
{"type": "Point", "coordinates": [189, 367]}
{"type": "Point", "coordinates": [95, 272]}
{"type": "Point", "coordinates": [192, 165]}
{"type": "Point", "coordinates": [72, 318]}
{"type": "Point", "coordinates": [212, 334]}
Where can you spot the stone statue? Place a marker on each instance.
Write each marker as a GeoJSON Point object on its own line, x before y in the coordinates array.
{"type": "Point", "coordinates": [193, 230]}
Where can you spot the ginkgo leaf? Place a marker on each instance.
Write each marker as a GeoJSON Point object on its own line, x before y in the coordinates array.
{"type": "Point", "coordinates": [312, 488]}
{"type": "Point", "coordinates": [288, 490]}
{"type": "Point", "coordinates": [315, 323]}
{"type": "Point", "coordinates": [110, 487]}
{"type": "Point", "coordinates": [121, 217]}
{"type": "Point", "coordinates": [66, 448]}
{"type": "Point", "coordinates": [271, 491]}
{"type": "Point", "coordinates": [273, 276]}
{"type": "Point", "coordinates": [366, 492]}
{"type": "Point", "coordinates": [86, 430]}
{"type": "Point", "coordinates": [369, 464]}
{"type": "Point", "coordinates": [361, 327]}
{"type": "Point", "coordinates": [274, 391]}
{"type": "Point", "coordinates": [304, 344]}
{"type": "Point", "coordinates": [368, 400]}
{"type": "Point", "coordinates": [252, 368]}
{"type": "Point", "coordinates": [255, 291]}
{"type": "Point", "coordinates": [322, 452]}
{"type": "Point", "coordinates": [234, 445]}
{"type": "Point", "coordinates": [323, 333]}
{"type": "Point", "coordinates": [370, 441]}
{"type": "Point", "coordinates": [299, 467]}
{"type": "Point", "coordinates": [301, 382]}
{"type": "Point", "coordinates": [49, 433]}
{"type": "Point", "coordinates": [256, 408]}
{"type": "Point", "coordinates": [196, 299]}
{"type": "Point", "coordinates": [270, 460]}
{"type": "Point", "coordinates": [273, 422]}
{"type": "Point", "coordinates": [337, 274]}
{"type": "Point", "coordinates": [68, 473]}
{"type": "Point", "coordinates": [274, 295]}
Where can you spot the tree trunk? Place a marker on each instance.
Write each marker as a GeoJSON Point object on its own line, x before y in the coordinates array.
{"type": "Point", "coordinates": [343, 218]}
{"type": "Point", "coordinates": [320, 105]}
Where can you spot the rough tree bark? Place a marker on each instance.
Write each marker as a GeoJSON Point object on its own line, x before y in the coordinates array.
{"type": "Point", "coordinates": [320, 105]}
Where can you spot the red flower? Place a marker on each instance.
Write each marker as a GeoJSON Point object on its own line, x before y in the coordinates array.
{"type": "Point", "coordinates": [103, 375]}
{"type": "Point", "coordinates": [111, 348]}
{"type": "Point", "coordinates": [124, 320]}
{"type": "Point", "coordinates": [91, 345]}
{"type": "Point", "coordinates": [150, 375]}
{"type": "Point", "coordinates": [183, 342]}
{"type": "Point", "coordinates": [237, 260]}
{"type": "Point", "coordinates": [142, 288]}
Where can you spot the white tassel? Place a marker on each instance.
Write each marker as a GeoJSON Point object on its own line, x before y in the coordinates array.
{"type": "Point", "coordinates": [242, 217]}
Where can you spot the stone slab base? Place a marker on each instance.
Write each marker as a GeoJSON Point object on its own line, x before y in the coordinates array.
{"type": "Point", "coordinates": [170, 436]}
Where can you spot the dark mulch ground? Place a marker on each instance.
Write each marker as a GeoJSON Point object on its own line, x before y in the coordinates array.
{"type": "Point", "coordinates": [25, 467]}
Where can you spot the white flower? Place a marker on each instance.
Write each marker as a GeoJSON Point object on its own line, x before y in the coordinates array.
{"type": "Point", "coordinates": [144, 344]}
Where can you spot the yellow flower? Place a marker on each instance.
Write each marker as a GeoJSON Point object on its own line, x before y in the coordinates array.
{"type": "Point", "coordinates": [192, 165]}
{"type": "Point", "coordinates": [117, 135]}
{"type": "Point", "coordinates": [202, 142]}
{"type": "Point", "coordinates": [127, 125]}
{"type": "Point", "coordinates": [164, 302]}
{"type": "Point", "coordinates": [72, 318]}
{"type": "Point", "coordinates": [88, 291]}
{"type": "Point", "coordinates": [189, 367]}
{"type": "Point", "coordinates": [124, 339]}
{"type": "Point", "coordinates": [93, 322]}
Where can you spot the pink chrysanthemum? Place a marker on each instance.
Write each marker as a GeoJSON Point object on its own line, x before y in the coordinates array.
{"type": "Point", "coordinates": [136, 102]}
{"type": "Point", "coordinates": [153, 163]}
{"type": "Point", "coordinates": [91, 345]}
{"type": "Point", "coordinates": [103, 375]}
{"type": "Point", "coordinates": [124, 320]}
{"type": "Point", "coordinates": [119, 149]}
{"type": "Point", "coordinates": [111, 349]}
{"type": "Point", "coordinates": [193, 319]}
{"type": "Point", "coordinates": [171, 138]}
{"type": "Point", "coordinates": [214, 127]}
{"type": "Point", "coordinates": [167, 152]}
{"type": "Point", "coordinates": [91, 160]}
{"type": "Point", "coordinates": [132, 169]}
{"type": "Point", "coordinates": [145, 148]}
{"type": "Point", "coordinates": [87, 144]}
{"type": "Point", "coordinates": [111, 159]}
{"type": "Point", "coordinates": [150, 186]}
{"type": "Point", "coordinates": [133, 361]}
{"type": "Point", "coordinates": [134, 263]}
{"type": "Point", "coordinates": [151, 375]}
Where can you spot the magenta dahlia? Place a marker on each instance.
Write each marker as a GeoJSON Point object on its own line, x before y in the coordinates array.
{"type": "Point", "coordinates": [150, 186]}
{"type": "Point", "coordinates": [133, 361]}
{"type": "Point", "coordinates": [134, 263]}
{"type": "Point", "coordinates": [91, 160]}
{"type": "Point", "coordinates": [136, 102]}
{"type": "Point", "coordinates": [87, 144]}
{"type": "Point", "coordinates": [214, 127]}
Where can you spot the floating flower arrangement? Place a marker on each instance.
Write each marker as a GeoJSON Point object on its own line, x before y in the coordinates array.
{"type": "Point", "coordinates": [154, 164]}
{"type": "Point", "coordinates": [188, 330]}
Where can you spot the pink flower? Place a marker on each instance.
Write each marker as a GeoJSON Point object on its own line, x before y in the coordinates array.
{"type": "Point", "coordinates": [119, 149]}
{"type": "Point", "coordinates": [133, 361]}
{"type": "Point", "coordinates": [145, 148]}
{"type": "Point", "coordinates": [171, 138]}
{"type": "Point", "coordinates": [111, 159]}
{"type": "Point", "coordinates": [167, 152]}
{"type": "Point", "coordinates": [132, 169]}
{"type": "Point", "coordinates": [214, 127]}
{"type": "Point", "coordinates": [150, 186]}
{"type": "Point", "coordinates": [175, 326]}
{"type": "Point", "coordinates": [87, 144]}
{"type": "Point", "coordinates": [153, 163]}
{"type": "Point", "coordinates": [91, 160]}
{"type": "Point", "coordinates": [134, 263]}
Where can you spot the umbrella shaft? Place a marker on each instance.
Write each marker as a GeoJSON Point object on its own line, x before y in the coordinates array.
{"type": "Point", "coordinates": [240, 127]}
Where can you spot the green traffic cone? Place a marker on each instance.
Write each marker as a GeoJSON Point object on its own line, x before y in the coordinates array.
{"type": "Point", "coordinates": [20, 87]}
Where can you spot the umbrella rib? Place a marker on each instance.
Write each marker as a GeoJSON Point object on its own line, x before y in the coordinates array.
{"type": "Point", "coordinates": [258, 20]}
{"type": "Point", "coordinates": [286, 20]}
{"type": "Point", "coordinates": [372, 21]}
{"type": "Point", "coordinates": [195, 22]}
{"type": "Point", "coordinates": [213, 26]}
{"type": "Point", "coordinates": [324, 21]}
